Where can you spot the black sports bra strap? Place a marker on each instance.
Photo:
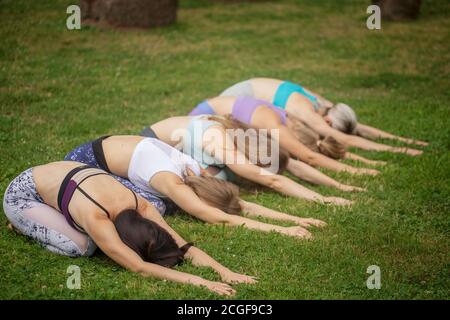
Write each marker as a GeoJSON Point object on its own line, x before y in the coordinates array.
{"type": "Point", "coordinates": [95, 202]}
{"type": "Point", "coordinates": [93, 175]}
{"type": "Point", "coordinates": [99, 154]}
{"type": "Point", "coordinates": [135, 199]}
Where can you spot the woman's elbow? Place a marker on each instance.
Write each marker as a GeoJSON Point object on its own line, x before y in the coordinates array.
{"type": "Point", "coordinates": [310, 158]}
{"type": "Point", "coordinates": [219, 219]}
{"type": "Point", "coordinates": [138, 268]}
{"type": "Point", "coordinates": [133, 266]}
{"type": "Point", "coordinates": [346, 139]}
{"type": "Point", "coordinates": [275, 182]}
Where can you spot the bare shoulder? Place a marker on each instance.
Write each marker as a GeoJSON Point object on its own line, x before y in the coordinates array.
{"type": "Point", "coordinates": [266, 116]}
{"type": "Point", "coordinates": [48, 177]}
{"type": "Point", "coordinates": [171, 121]}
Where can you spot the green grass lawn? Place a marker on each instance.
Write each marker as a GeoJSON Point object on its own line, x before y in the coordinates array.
{"type": "Point", "coordinates": [60, 88]}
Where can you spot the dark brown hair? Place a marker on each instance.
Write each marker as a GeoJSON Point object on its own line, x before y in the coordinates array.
{"type": "Point", "coordinates": [150, 241]}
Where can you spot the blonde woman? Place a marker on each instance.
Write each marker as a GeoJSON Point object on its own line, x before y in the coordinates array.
{"type": "Point", "coordinates": [208, 140]}
{"type": "Point", "coordinates": [159, 169]}
{"type": "Point", "coordinates": [338, 121]}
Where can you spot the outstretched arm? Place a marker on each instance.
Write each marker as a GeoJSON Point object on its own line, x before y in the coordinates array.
{"type": "Point", "coordinates": [300, 151]}
{"type": "Point", "coordinates": [104, 234]}
{"type": "Point", "coordinates": [199, 258]}
{"type": "Point", "coordinates": [365, 144]}
{"type": "Point", "coordinates": [319, 125]}
{"type": "Point", "coordinates": [188, 201]}
{"type": "Point", "coordinates": [282, 184]}
{"type": "Point", "coordinates": [374, 133]}
{"type": "Point", "coordinates": [312, 175]}
{"type": "Point", "coordinates": [355, 157]}
{"type": "Point", "coordinates": [238, 163]}
{"type": "Point", "coordinates": [256, 210]}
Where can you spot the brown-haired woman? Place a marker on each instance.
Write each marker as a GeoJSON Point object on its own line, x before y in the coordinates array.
{"type": "Point", "coordinates": [153, 166]}
{"type": "Point", "coordinates": [219, 144]}
{"type": "Point", "coordinates": [71, 208]}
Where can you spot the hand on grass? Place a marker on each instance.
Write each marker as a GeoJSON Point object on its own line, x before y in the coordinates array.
{"type": "Point", "coordinates": [416, 142]}
{"type": "Point", "coordinates": [218, 287]}
{"type": "Point", "coordinates": [421, 143]}
{"type": "Point", "coordinates": [338, 201]}
{"type": "Point", "coordinates": [348, 188]}
{"type": "Point", "coordinates": [307, 222]}
{"type": "Point", "coordinates": [298, 232]}
{"type": "Point", "coordinates": [233, 277]}
{"type": "Point", "coordinates": [371, 172]}
{"type": "Point", "coordinates": [413, 152]}
{"type": "Point", "coordinates": [376, 162]}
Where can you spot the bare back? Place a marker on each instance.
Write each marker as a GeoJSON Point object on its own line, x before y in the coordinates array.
{"type": "Point", "coordinates": [118, 151]}
{"type": "Point", "coordinates": [222, 105]}
{"type": "Point", "coordinates": [297, 104]}
{"type": "Point", "coordinates": [165, 129]}
{"type": "Point", "coordinates": [104, 189]}
{"type": "Point", "coordinates": [265, 88]}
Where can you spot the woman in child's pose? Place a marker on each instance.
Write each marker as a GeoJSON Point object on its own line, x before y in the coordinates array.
{"type": "Point", "coordinates": [338, 121]}
{"type": "Point", "coordinates": [71, 208]}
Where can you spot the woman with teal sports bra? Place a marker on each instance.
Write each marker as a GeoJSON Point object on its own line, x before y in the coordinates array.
{"type": "Point", "coordinates": [209, 140]}
{"type": "Point", "coordinates": [301, 142]}
{"type": "Point", "coordinates": [321, 115]}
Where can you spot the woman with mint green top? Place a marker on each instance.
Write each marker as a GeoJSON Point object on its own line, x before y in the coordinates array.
{"type": "Point", "coordinates": [208, 141]}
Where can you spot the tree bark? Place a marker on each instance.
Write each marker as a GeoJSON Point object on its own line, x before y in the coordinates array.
{"type": "Point", "coordinates": [129, 13]}
{"type": "Point", "coordinates": [398, 10]}
{"type": "Point", "coordinates": [234, 1]}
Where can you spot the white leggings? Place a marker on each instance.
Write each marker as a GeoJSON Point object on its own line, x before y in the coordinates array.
{"type": "Point", "coordinates": [28, 213]}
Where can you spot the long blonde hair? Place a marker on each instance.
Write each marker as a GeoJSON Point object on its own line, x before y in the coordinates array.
{"type": "Point", "coordinates": [328, 146]}
{"type": "Point", "coordinates": [217, 193]}
{"type": "Point", "coordinates": [228, 122]}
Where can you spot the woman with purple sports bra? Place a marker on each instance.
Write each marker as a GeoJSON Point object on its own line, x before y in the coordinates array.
{"type": "Point", "coordinates": [242, 108]}
{"type": "Point", "coordinates": [70, 208]}
{"type": "Point", "coordinates": [263, 115]}
{"type": "Point", "coordinates": [321, 115]}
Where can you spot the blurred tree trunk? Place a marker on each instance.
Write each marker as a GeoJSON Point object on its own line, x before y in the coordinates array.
{"type": "Point", "coordinates": [396, 10]}
{"type": "Point", "coordinates": [130, 13]}
{"type": "Point", "coordinates": [236, 1]}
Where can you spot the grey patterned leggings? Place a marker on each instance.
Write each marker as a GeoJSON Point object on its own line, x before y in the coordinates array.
{"type": "Point", "coordinates": [28, 213]}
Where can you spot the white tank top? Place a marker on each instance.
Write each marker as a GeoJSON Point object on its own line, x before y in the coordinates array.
{"type": "Point", "coordinates": [152, 156]}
